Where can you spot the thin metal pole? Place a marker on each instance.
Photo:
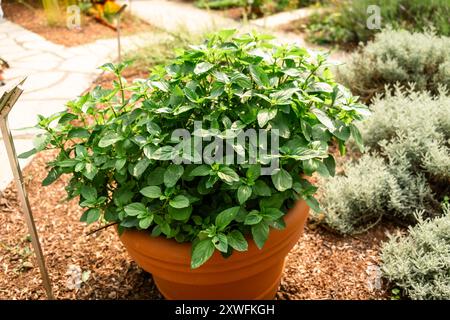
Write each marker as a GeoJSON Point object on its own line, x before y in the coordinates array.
{"type": "Point", "coordinates": [119, 49]}
{"type": "Point", "coordinates": [15, 167]}
{"type": "Point", "coordinates": [118, 18]}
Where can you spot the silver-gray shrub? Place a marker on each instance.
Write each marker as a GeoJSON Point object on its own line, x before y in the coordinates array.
{"type": "Point", "coordinates": [419, 263]}
{"type": "Point", "coordinates": [398, 56]}
{"type": "Point", "coordinates": [358, 198]}
{"type": "Point", "coordinates": [407, 167]}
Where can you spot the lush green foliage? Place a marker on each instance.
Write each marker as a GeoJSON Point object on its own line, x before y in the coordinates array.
{"type": "Point", "coordinates": [395, 56]}
{"type": "Point", "coordinates": [256, 6]}
{"type": "Point", "coordinates": [409, 169]}
{"type": "Point", "coordinates": [117, 145]}
{"type": "Point", "coordinates": [346, 23]}
{"type": "Point", "coordinates": [419, 263]}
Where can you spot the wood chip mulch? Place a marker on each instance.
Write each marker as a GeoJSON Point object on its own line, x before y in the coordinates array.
{"type": "Point", "coordinates": [31, 16]}
{"type": "Point", "coordinates": [321, 266]}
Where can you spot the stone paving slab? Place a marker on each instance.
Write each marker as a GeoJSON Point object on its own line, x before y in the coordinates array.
{"type": "Point", "coordinates": [174, 16]}
{"type": "Point", "coordinates": [284, 18]}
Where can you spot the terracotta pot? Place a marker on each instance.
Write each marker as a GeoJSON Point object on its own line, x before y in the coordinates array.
{"type": "Point", "coordinates": [253, 274]}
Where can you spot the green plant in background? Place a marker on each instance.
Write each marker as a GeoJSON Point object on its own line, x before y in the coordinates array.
{"type": "Point", "coordinates": [408, 170]}
{"type": "Point", "coordinates": [52, 11]}
{"type": "Point", "coordinates": [117, 145]}
{"type": "Point", "coordinates": [326, 29]}
{"type": "Point", "coordinates": [347, 22]}
{"type": "Point", "coordinates": [419, 263]}
{"type": "Point", "coordinates": [395, 56]}
{"type": "Point", "coordinates": [159, 49]}
{"type": "Point", "coordinates": [257, 7]}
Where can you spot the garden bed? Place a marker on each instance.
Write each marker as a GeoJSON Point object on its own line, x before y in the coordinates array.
{"type": "Point", "coordinates": [34, 19]}
{"type": "Point", "coordinates": [321, 266]}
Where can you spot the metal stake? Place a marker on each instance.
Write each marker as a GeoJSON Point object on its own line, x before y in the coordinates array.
{"type": "Point", "coordinates": [118, 18]}
{"type": "Point", "coordinates": [7, 102]}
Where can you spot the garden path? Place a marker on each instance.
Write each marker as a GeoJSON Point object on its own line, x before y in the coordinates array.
{"type": "Point", "coordinates": [180, 17]}
{"type": "Point", "coordinates": [55, 74]}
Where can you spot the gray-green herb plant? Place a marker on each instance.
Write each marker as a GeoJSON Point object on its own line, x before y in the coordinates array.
{"type": "Point", "coordinates": [116, 143]}
{"type": "Point", "coordinates": [419, 263]}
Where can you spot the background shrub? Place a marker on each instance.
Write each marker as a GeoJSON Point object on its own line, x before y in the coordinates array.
{"type": "Point", "coordinates": [348, 21]}
{"type": "Point", "coordinates": [408, 169]}
{"type": "Point", "coordinates": [398, 56]}
{"type": "Point", "coordinates": [420, 262]}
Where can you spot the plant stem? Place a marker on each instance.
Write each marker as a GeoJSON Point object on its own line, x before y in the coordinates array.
{"type": "Point", "coordinates": [101, 228]}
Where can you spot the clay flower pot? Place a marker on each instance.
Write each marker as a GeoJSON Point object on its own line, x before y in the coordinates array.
{"type": "Point", "coordinates": [253, 274]}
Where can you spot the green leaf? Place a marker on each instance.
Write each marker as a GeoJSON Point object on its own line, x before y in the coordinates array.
{"type": "Point", "coordinates": [224, 218]}
{"type": "Point", "coordinates": [109, 67]}
{"type": "Point", "coordinates": [66, 118]}
{"type": "Point", "coordinates": [244, 192]}
{"type": "Point", "coordinates": [90, 216]}
{"type": "Point", "coordinates": [281, 124]}
{"type": "Point", "coordinates": [342, 148]}
{"type": "Point", "coordinates": [260, 233]}
{"type": "Point", "coordinates": [282, 180]}
{"type": "Point", "coordinates": [164, 153]}
{"type": "Point", "coordinates": [146, 222]}
{"type": "Point", "coordinates": [253, 172]}
{"type": "Point", "coordinates": [156, 177]}
{"type": "Point", "coordinates": [200, 171]}
{"type": "Point", "coordinates": [357, 136]}
{"type": "Point", "coordinates": [191, 95]}
{"type": "Point", "coordinates": [330, 164]}
{"type": "Point", "coordinates": [265, 115]}
{"type": "Point", "coordinates": [140, 167]}
{"type": "Point", "coordinates": [237, 241]}
{"type": "Point", "coordinates": [122, 196]}
{"type": "Point", "coordinates": [119, 164]}
{"type": "Point", "coordinates": [173, 174]}
{"type": "Point", "coordinates": [261, 189]}
{"type": "Point", "coordinates": [221, 242]}
{"type": "Point", "coordinates": [313, 203]}
{"type": "Point", "coordinates": [324, 119]}
{"type": "Point", "coordinates": [153, 128]}
{"type": "Point", "coordinates": [152, 192]}
{"type": "Point", "coordinates": [52, 176]}
{"type": "Point", "coordinates": [203, 67]}
{"type": "Point", "coordinates": [68, 163]}
{"type": "Point", "coordinates": [89, 193]}
{"type": "Point", "coordinates": [201, 252]}
{"type": "Point", "coordinates": [181, 214]}
{"type": "Point", "coordinates": [253, 218]}
{"type": "Point", "coordinates": [179, 202]}
{"type": "Point", "coordinates": [342, 131]}
{"type": "Point", "coordinates": [227, 174]}
{"type": "Point", "coordinates": [259, 76]}
{"type": "Point", "coordinates": [78, 133]}
{"type": "Point", "coordinates": [109, 139]}
{"type": "Point", "coordinates": [27, 154]}
{"type": "Point", "coordinates": [90, 171]}
{"type": "Point", "coordinates": [149, 151]}
{"type": "Point", "coordinates": [183, 109]}
{"type": "Point", "coordinates": [272, 213]}
{"type": "Point", "coordinates": [135, 208]}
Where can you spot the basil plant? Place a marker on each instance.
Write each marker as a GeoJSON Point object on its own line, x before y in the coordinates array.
{"type": "Point", "coordinates": [259, 117]}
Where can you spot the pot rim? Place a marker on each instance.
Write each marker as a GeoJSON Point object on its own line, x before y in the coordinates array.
{"type": "Point", "coordinates": [175, 252]}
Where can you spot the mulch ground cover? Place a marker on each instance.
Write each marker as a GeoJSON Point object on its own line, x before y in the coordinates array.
{"type": "Point", "coordinates": [32, 17]}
